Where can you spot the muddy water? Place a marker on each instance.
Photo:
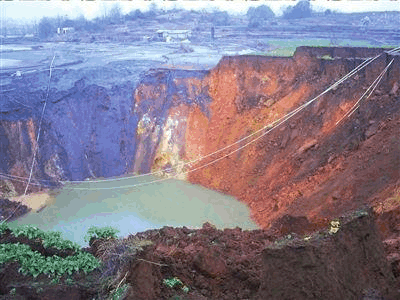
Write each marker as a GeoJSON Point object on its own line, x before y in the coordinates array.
{"type": "Point", "coordinates": [134, 209]}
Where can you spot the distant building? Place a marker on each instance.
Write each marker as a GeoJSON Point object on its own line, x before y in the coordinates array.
{"type": "Point", "coordinates": [173, 35]}
{"type": "Point", "coordinates": [65, 30]}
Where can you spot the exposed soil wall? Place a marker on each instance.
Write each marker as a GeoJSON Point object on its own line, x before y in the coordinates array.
{"type": "Point", "coordinates": [86, 132]}
{"type": "Point", "coordinates": [309, 166]}
{"type": "Point", "coordinates": [348, 264]}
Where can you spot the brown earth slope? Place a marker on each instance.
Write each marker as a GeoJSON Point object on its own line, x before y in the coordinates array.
{"type": "Point", "coordinates": [296, 179]}
{"type": "Point", "coordinates": [308, 166]}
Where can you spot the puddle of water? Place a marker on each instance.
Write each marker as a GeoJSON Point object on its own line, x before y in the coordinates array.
{"type": "Point", "coordinates": [168, 203]}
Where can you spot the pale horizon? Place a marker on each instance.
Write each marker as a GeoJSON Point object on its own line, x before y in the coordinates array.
{"type": "Point", "coordinates": [24, 11]}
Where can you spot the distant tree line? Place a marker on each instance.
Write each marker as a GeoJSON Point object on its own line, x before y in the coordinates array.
{"type": "Point", "coordinates": [47, 27]}
{"type": "Point", "coordinates": [301, 10]}
{"type": "Point", "coordinates": [256, 16]}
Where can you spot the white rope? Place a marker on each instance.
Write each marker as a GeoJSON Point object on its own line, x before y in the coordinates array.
{"type": "Point", "coordinates": [359, 67]}
{"type": "Point", "coordinates": [20, 180]}
{"type": "Point", "coordinates": [16, 178]}
{"type": "Point", "coordinates": [40, 125]}
{"type": "Point", "coordinates": [37, 143]}
{"type": "Point", "coordinates": [271, 125]}
{"type": "Point", "coordinates": [372, 87]}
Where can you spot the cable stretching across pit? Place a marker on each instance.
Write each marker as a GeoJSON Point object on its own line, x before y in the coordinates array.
{"type": "Point", "coordinates": [270, 127]}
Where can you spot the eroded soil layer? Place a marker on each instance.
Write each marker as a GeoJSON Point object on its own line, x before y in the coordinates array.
{"type": "Point", "coordinates": [347, 260]}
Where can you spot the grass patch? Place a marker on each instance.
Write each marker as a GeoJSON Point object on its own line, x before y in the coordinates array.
{"type": "Point", "coordinates": [101, 233]}
{"type": "Point", "coordinates": [286, 48]}
{"type": "Point", "coordinates": [326, 57]}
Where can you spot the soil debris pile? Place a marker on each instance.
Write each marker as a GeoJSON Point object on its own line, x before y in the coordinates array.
{"type": "Point", "coordinates": [346, 260]}
{"type": "Point", "coordinates": [343, 263]}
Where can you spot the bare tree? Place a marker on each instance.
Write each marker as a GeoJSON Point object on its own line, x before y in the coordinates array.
{"type": "Point", "coordinates": [115, 15]}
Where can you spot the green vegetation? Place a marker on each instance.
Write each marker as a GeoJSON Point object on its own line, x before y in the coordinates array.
{"type": "Point", "coordinates": [115, 255]}
{"type": "Point", "coordinates": [119, 292]}
{"type": "Point", "coordinates": [3, 226]}
{"type": "Point", "coordinates": [257, 15]}
{"type": "Point", "coordinates": [33, 263]}
{"type": "Point", "coordinates": [301, 10]}
{"type": "Point", "coordinates": [175, 282]}
{"type": "Point", "coordinates": [101, 233]}
{"type": "Point", "coordinates": [287, 48]}
{"type": "Point", "coordinates": [50, 239]}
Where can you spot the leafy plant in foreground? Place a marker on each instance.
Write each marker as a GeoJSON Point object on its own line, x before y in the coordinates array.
{"type": "Point", "coordinates": [33, 263]}
{"type": "Point", "coordinates": [101, 233]}
{"type": "Point", "coordinates": [50, 239]}
{"type": "Point", "coordinates": [175, 282]}
{"type": "Point", "coordinates": [3, 226]}
{"type": "Point", "coordinates": [119, 292]}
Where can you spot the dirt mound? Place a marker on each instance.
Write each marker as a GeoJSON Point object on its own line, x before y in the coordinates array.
{"type": "Point", "coordinates": [346, 260]}
{"type": "Point", "coordinates": [347, 264]}
{"type": "Point", "coordinates": [212, 263]}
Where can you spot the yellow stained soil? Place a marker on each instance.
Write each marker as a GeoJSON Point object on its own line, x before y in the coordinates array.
{"type": "Point", "coordinates": [36, 201]}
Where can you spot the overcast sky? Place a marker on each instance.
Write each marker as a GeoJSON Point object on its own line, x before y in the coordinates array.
{"type": "Point", "coordinates": [29, 10]}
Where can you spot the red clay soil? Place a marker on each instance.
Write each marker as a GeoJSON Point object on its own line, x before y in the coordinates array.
{"type": "Point", "coordinates": [309, 166]}
{"type": "Point", "coordinates": [295, 180]}
{"type": "Point", "coordinates": [231, 264]}
{"type": "Point", "coordinates": [348, 264]}
{"type": "Point", "coordinates": [236, 264]}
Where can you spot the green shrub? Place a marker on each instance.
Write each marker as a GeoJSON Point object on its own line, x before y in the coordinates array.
{"type": "Point", "coordinates": [50, 238]}
{"type": "Point", "coordinates": [175, 282]}
{"type": "Point", "coordinates": [119, 292]}
{"type": "Point", "coordinates": [101, 233]}
{"type": "Point", "coordinates": [33, 263]}
{"type": "Point", "coordinates": [3, 226]}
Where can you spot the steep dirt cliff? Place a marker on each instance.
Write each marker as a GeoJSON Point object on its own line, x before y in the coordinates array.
{"type": "Point", "coordinates": [308, 166]}
{"type": "Point", "coordinates": [86, 132]}
{"type": "Point", "coordinates": [163, 101]}
{"type": "Point", "coordinates": [296, 179]}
